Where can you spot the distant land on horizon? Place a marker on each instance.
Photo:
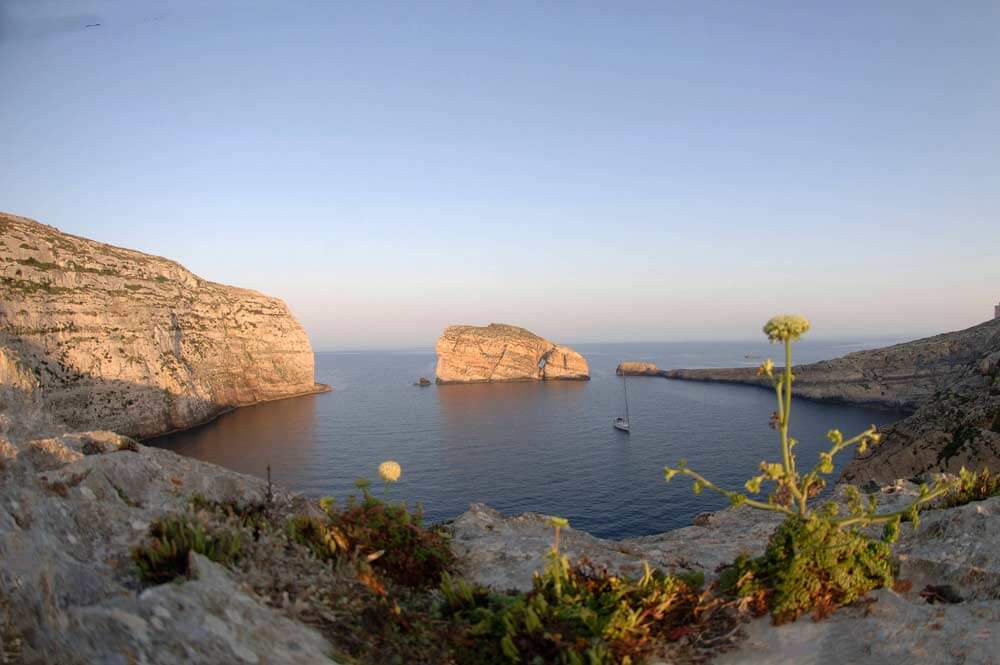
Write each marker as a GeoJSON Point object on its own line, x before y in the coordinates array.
{"type": "Point", "coordinates": [880, 340]}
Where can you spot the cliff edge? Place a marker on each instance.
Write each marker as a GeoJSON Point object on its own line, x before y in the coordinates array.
{"type": "Point", "coordinates": [99, 337]}
{"type": "Point", "coordinates": [950, 382]}
{"type": "Point", "coordinates": [499, 352]}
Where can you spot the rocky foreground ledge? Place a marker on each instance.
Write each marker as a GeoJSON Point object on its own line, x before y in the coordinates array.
{"type": "Point", "coordinates": [499, 352]}
{"type": "Point", "coordinates": [957, 547]}
{"type": "Point", "coordinates": [71, 507]}
{"type": "Point", "coordinates": [99, 337]}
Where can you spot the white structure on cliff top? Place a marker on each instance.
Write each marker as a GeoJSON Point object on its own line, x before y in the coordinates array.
{"type": "Point", "coordinates": [996, 311]}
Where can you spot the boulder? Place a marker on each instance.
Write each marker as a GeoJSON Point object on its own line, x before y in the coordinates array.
{"type": "Point", "coordinates": [499, 352]}
{"type": "Point", "coordinates": [638, 368]}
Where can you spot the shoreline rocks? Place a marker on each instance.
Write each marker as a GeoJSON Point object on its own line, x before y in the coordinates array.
{"type": "Point", "coordinates": [902, 376]}
{"type": "Point", "coordinates": [950, 384]}
{"type": "Point", "coordinates": [100, 337]}
{"type": "Point", "coordinates": [504, 353]}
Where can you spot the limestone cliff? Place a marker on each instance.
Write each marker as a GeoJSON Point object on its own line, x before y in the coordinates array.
{"type": "Point", "coordinates": [98, 337]}
{"type": "Point", "coordinates": [950, 382]}
{"type": "Point", "coordinates": [498, 352]}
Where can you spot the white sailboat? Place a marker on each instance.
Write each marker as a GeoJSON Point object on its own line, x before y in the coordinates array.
{"type": "Point", "coordinates": [623, 423]}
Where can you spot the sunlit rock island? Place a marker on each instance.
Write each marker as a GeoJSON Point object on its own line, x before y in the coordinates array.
{"type": "Point", "coordinates": [112, 551]}
{"type": "Point", "coordinates": [500, 352]}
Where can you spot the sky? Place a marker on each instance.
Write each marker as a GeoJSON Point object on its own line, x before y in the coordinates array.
{"type": "Point", "coordinates": [591, 171]}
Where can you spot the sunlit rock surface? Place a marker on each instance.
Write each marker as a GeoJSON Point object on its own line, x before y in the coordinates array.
{"type": "Point", "coordinates": [498, 352]}
{"type": "Point", "coordinates": [99, 337]}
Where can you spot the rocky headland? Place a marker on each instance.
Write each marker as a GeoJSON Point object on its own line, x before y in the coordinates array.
{"type": "Point", "coordinates": [950, 383]}
{"type": "Point", "coordinates": [499, 352]}
{"type": "Point", "coordinates": [99, 337]}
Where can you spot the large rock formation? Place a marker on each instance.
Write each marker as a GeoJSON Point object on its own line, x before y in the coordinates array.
{"type": "Point", "coordinates": [498, 352]}
{"type": "Point", "coordinates": [638, 368]}
{"type": "Point", "coordinates": [950, 381]}
{"type": "Point", "coordinates": [98, 337]}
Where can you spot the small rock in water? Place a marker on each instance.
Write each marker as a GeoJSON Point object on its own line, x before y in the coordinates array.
{"type": "Point", "coordinates": [423, 382]}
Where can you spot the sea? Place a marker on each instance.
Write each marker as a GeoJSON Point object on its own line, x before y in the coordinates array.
{"type": "Point", "coordinates": [542, 447]}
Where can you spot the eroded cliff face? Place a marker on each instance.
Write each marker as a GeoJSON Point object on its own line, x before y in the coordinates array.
{"type": "Point", "coordinates": [905, 376]}
{"type": "Point", "coordinates": [99, 337]}
{"type": "Point", "coordinates": [951, 382]}
{"type": "Point", "coordinates": [499, 352]}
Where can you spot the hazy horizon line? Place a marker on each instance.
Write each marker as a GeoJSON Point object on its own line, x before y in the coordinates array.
{"type": "Point", "coordinates": [856, 339]}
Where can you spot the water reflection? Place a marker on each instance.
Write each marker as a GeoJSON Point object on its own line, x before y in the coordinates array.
{"type": "Point", "coordinates": [282, 434]}
{"type": "Point", "coordinates": [543, 447]}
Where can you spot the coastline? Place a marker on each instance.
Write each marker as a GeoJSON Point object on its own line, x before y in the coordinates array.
{"type": "Point", "coordinates": [318, 389]}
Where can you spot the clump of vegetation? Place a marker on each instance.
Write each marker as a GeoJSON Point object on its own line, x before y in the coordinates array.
{"type": "Point", "coordinates": [810, 564]}
{"type": "Point", "coordinates": [388, 536]}
{"type": "Point", "coordinates": [163, 557]}
{"type": "Point", "coordinates": [817, 559]}
{"type": "Point", "coordinates": [574, 614]}
{"type": "Point", "coordinates": [972, 486]}
{"type": "Point", "coordinates": [253, 515]}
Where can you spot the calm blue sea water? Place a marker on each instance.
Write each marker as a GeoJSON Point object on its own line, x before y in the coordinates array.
{"type": "Point", "coordinates": [543, 447]}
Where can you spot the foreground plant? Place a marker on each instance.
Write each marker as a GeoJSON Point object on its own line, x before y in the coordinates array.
{"type": "Point", "coordinates": [972, 486]}
{"type": "Point", "coordinates": [163, 556]}
{"type": "Point", "coordinates": [817, 559]}
{"type": "Point", "coordinates": [377, 536]}
{"type": "Point", "coordinates": [574, 615]}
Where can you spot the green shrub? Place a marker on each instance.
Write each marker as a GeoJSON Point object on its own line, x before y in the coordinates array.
{"type": "Point", "coordinates": [810, 564]}
{"type": "Point", "coordinates": [164, 555]}
{"type": "Point", "coordinates": [972, 486]}
{"type": "Point", "coordinates": [817, 559]}
{"type": "Point", "coordinates": [572, 615]}
{"type": "Point", "coordinates": [388, 536]}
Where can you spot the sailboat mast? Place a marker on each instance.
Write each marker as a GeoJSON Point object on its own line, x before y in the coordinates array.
{"type": "Point", "coordinates": [625, 381]}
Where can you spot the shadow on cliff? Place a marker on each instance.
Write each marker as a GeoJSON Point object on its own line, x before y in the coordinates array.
{"type": "Point", "coordinates": [70, 400]}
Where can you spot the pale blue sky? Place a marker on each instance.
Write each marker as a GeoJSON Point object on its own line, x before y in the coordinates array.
{"type": "Point", "coordinates": [598, 172]}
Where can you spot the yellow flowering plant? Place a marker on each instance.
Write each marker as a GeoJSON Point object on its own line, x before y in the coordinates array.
{"type": "Point", "coordinates": [811, 540]}
{"type": "Point", "coordinates": [793, 489]}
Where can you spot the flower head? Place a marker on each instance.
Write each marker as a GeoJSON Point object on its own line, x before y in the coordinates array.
{"type": "Point", "coordinates": [786, 327]}
{"type": "Point", "coordinates": [390, 471]}
{"type": "Point", "coordinates": [558, 521]}
{"type": "Point", "coordinates": [766, 369]}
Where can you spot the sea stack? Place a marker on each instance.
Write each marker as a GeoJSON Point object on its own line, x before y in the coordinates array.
{"type": "Point", "coordinates": [99, 337]}
{"type": "Point", "coordinates": [500, 352]}
{"type": "Point", "coordinates": [638, 368]}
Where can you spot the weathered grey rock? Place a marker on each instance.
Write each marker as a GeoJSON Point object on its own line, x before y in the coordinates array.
{"type": "Point", "coordinates": [71, 509]}
{"type": "Point", "coordinates": [98, 337]}
{"type": "Point", "coordinates": [504, 552]}
{"type": "Point", "coordinates": [208, 619]}
{"type": "Point", "coordinates": [959, 547]}
{"type": "Point", "coordinates": [893, 629]}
